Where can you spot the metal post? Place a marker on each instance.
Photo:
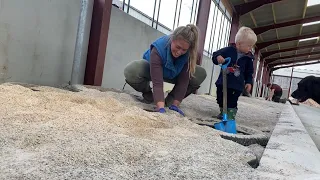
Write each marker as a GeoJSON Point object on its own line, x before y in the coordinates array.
{"type": "Point", "coordinates": [290, 82]}
{"type": "Point", "coordinates": [213, 22]}
{"type": "Point", "coordinates": [101, 16]}
{"type": "Point", "coordinates": [234, 28]}
{"type": "Point", "coordinates": [128, 8]}
{"type": "Point", "coordinates": [202, 22]}
{"type": "Point", "coordinates": [219, 31]}
{"type": "Point", "coordinates": [191, 10]}
{"type": "Point", "coordinates": [255, 62]}
{"type": "Point", "coordinates": [154, 12]}
{"type": "Point", "coordinates": [123, 4]}
{"type": "Point", "coordinates": [179, 13]}
{"type": "Point", "coordinates": [222, 29]}
{"type": "Point", "coordinates": [227, 33]}
{"type": "Point", "coordinates": [216, 18]}
{"type": "Point", "coordinates": [196, 11]}
{"type": "Point", "coordinates": [261, 82]}
{"type": "Point", "coordinates": [158, 14]}
{"type": "Point", "coordinates": [175, 14]}
{"type": "Point", "coordinates": [82, 41]}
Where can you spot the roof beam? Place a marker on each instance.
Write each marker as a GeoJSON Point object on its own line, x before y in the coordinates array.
{"type": "Point", "coordinates": [292, 56]}
{"type": "Point", "coordinates": [294, 65]}
{"type": "Point", "coordinates": [294, 61]}
{"type": "Point", "coordinates": [275, 21]}
{"type": "Point", "coordinates": [263, 29]}
{"type": "Point", "coordinates": [242, 9]}
{"type": "Point", "coordinates": [268, 43]}
{"type": "Point", "coordinates": [266, 54]}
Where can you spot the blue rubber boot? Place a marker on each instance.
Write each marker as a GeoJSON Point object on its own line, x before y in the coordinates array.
{"type": "Point", "coordinates": [230, 125]}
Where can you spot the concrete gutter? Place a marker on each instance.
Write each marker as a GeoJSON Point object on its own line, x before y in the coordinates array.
{"type": "Point", "coordinates": [290, 153]}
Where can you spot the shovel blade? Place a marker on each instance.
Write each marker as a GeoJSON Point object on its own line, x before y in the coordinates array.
{"type": "Point", "coordinates": [226, 126]}
{"type": "Point", "coordinates": [220, 126]}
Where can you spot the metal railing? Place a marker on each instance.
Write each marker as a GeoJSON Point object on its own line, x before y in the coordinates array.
{"type": "Point", "coordinates": [217, 35]}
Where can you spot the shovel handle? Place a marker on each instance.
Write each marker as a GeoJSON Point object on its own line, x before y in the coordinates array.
{"type": "Point", "coordinates": [226, 63]}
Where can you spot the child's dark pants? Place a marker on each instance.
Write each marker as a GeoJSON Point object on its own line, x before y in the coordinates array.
{"type": "Point", "coordinates": [232, 97]}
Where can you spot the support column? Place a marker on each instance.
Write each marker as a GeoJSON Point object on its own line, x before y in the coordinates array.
{"type": "Point", "coordinates": [255, 63]}
{"type": "Point", "coordinates": [98, 42]}
{"type": "Point", "coordinates": [260, 69]}
{"type": "Point", "coordinates": [202, 22]}
{"type": "Point", "coordinates": [234, 28]}
{"type": "Point", "coordinates": [264, 77]}
{"type": "Point", "coordinates": [261, 79]}
{"type": "Point", "coordinates": [255, 72]}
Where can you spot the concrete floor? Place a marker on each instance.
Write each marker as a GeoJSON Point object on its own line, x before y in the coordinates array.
{"type": "Point", "coordinates": [310, 118]}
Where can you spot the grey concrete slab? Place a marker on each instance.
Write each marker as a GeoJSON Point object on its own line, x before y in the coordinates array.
{"type": "Point", "coordinates": [37, 40]}
{"type": "Point", "coordinates": [310, 118]}
{"type": "Point", "coordinates": [290, 153]}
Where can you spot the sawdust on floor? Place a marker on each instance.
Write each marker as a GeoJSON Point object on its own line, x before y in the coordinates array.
{"type": "Point", "coordinates": [49, 133]}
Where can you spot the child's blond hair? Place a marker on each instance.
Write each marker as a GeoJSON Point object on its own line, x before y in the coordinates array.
{"type": "Point", "coordinates": [246, 34]}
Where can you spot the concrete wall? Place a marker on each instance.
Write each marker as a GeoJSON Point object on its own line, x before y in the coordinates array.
{"type": "Point", "coordinates": [128, 40]}
{"type": "Point", "coordinates": [37, 40]}
{"type": "Point", "coordinates": [209, 66]}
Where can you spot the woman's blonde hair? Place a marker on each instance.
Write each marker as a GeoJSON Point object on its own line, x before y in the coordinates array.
{"type": "Point", "coordinates": [246, 34]}
{"type": "Point", "coordinates": [189, 33]}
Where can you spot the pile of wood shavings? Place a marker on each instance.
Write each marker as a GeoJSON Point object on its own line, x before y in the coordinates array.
{"type": "Point", "coordinates": [49, 133]}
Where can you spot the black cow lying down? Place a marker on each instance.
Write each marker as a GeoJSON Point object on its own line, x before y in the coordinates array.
{"type": "Point", "coordinates": [308, 87]}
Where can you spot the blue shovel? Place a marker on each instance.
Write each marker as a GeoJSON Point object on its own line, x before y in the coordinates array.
{"type": "Point", "coordinates": [226, 125]}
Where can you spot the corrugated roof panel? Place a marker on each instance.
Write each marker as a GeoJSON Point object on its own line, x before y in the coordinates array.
{"type": "Point", "coordinates": [289, 10]}
{"type": "Point", "coordinates": [289, 31]}
{"type": "Point", "coordinates": [269, 35]}
{"type": "Point", "coordinates": [263, 15]}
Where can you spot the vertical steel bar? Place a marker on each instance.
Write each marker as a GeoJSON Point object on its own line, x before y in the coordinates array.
{"type": "Point", "coordinates": [175, 15]}
{"type": "Point", "coordinates": [158, 14]}
{"type": "Point", "coordinates": [128, 8]}
{"type": "Point", "coordinates": [215, 27]}
{"type": "Point", "coordinates": [227, 33]}
{"type": "Point", "coordinates": [195, 11]}
{"type": "Point", "coordinates": [123, 4]}
{"type": "Point", "coordinates": [222, 29]}
{"type": "Point", "coordinates": [154, 12]}
{"type": "Point", "coordinates": [191, 10]}
{"type": "Point", "coordinates": [234, 28]}
{"type": "Point", "coordinates": [214, 21]}
{"type": "Point", "coordinates": [179, 13]}
{"type": "Point", "coordinates": [219, 31]}
{"type": "Point", "coordinates": [214, 12]}
{"type": "Point", "coordinates": [290, 82]}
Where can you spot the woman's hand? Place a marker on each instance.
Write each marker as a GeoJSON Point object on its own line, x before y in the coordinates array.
{"type": "Point", "coordinates": [220, 60]}
{"type": "Point", "coordinates": [160, 107]}
{"type": "Point", "coordinates": [175, 108]}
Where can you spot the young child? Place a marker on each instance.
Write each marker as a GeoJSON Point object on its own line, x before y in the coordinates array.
{"type": "Point", "coordinates": [240, 69]}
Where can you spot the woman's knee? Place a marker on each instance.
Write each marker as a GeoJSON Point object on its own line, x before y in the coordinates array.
{"type": "Point", "coordinates": [199, 76]}
{"type": "Point", "coordinates": [136, 69]}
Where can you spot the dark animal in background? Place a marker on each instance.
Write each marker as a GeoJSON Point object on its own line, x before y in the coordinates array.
{"type": "Point", "coordinates": [308, 87]}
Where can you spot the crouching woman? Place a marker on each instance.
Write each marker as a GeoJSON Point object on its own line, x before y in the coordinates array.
{"type": "Point", "coordinates": [171, 58]}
